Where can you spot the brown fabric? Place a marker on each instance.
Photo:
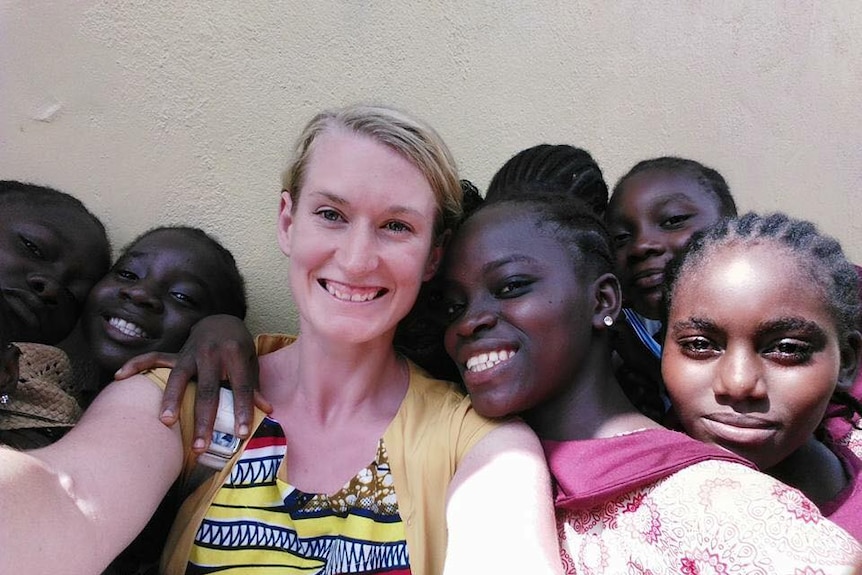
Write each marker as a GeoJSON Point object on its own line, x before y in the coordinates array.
{"type": "Point", "coordinates": [43, 397]}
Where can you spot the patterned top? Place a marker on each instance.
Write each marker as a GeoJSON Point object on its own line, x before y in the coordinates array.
{"type": "Point", "coordinates": [260, 523]}
{"type": "Point", "coordinates": [710, 516]}
{"type": "Point", "coordinates": [846, 508]}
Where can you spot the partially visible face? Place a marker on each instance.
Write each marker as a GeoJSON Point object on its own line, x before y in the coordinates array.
{"type": "Point", "coordinates": [9, 354]}
{"type": "Point", "coordinates": [752, 354]}
{"type": "Point", "coordinates": [650, 221]}
{"type": "Point", "coordinates": [359, 238]}
{"type": "Point", "coordinates": [152, 296]}
{"type": "Point", "coordinates": [47, 267]}
{"type": "Point", "coordinates": [520, 315]}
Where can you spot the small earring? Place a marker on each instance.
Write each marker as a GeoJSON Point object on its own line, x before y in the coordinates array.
{"type": "Point", "coordinates": [608, 320]}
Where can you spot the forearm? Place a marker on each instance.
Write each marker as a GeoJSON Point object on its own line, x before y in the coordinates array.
{"type": "Point", "coordinates": [37, 499]}
{"type": "Point", "coordinates": [500, 512]}
{"type": "Point", "coordinates": [72, 506]}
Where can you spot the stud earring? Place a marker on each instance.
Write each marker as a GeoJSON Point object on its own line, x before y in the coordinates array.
{"type": "Point", "coordinates": [608, 320]}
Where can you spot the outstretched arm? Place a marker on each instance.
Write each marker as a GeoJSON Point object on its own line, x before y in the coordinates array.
{"type": "Point", "coordinates": [500, 512]}
{"type": "Point", "coordinates": [219, 348]}
{"type": "Point", "coordinates": [73, 506]}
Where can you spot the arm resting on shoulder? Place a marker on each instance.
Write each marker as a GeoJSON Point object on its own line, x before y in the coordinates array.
{"type": "Point", "coordinates": [71, 507]}
{"type": "Point", "coordinates": [500, 512]}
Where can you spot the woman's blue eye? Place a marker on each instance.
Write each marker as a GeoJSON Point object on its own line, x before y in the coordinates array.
{"type": "Point", "coordinates": [329, 215]}
{"type": "Point", "coordinates": [397, 226]}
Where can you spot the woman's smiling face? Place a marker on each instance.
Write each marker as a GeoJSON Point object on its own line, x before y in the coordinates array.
{"type": "Point", "coordinates": [359, 237]}
{"type": "Point", "coordinates": [521, 317]}
{"type": "Point", "coordinates": [752, 354]}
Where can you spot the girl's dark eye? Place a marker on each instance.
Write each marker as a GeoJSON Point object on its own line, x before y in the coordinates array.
{"type": "Point", "coordinates": [513, 287]}
{"type": "Point", "coordinates": [452, 310]}
{"type": "Point", "coordinates": [126, 275]}
{"type": "Point", "coordinates": [791, 351]}
{"type": "Point", "coordinates": [34, 249]}
{"type": "Point", "coordinates": [183, 298]}
{"type": "Point", "coordinates": [698, 347]}
{"type": "Point", "coordinates": [621, 239]}
{"type": "Point", "coordinates": [675, 222]}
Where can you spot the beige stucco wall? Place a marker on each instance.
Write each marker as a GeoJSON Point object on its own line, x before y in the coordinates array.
{"type": "Point", "coordinates": [183, 112]}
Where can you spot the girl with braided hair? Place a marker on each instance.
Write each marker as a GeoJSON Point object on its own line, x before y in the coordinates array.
{"type": "Point", "coordinates": [551, 168]}
{"type": "Point", "coordinates": [762, 334]}
{"type": "Point", "coordinates": [531, 301]}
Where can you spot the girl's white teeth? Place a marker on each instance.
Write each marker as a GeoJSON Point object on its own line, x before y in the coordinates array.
{"type": "Point", "coordinates": [358, 296]}
{"type": "Point", "coordinates": [485, 361]}
{"type": "Point", "coordinates": [128, 328]}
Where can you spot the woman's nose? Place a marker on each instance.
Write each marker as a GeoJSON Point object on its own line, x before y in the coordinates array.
{"type": "Point", "coordinates": [359, 253]}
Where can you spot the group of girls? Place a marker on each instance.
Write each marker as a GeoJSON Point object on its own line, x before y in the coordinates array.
{"type": "Point", "coordinates": [75, 319]}
{"type": "Point", "coordinates": [759, 320]}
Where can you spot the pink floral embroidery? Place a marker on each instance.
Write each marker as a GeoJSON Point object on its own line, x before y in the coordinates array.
{"type": "Point", "coordinates": [796, 503]}
{"type": "Point", "coordinates": [713, 518]}
{"type": "Point", "coordinates": [709, 488]}
{"type": "Point", "coordinates": [593, 555]}
{"type": "Point", "coordinates": [688, 567]}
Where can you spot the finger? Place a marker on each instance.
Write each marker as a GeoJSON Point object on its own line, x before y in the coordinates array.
{"type": "Point", "coordinates": [262, 403]}
{"type": "Point", "coordinates": [206, 398]}
{"type": "Point", "coordinates": [172, 398]}
{"type": "Point", "coordinates": [242, 372]}
{"type": "Point", "coordinates": [144, 362]}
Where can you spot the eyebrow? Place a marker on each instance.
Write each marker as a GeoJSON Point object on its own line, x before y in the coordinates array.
{"type": "Point", "coordinates": [780, 324]}
{"type": "Point", "coordinates": [697, 323]}
{"type": "Point", "coordinates": [513, 258]}
{"type": "Point", "coordinates": [674, 197]}
{"type": "Point", "coordinates": [396, 210]}
{"type": "Point", "coordinates": [140, 254]}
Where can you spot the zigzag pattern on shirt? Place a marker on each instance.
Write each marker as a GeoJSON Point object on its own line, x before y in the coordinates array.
{"type": "Point", "coordinates": [339, 554]}
{"type": "Point", "coordinates": [258, 470]}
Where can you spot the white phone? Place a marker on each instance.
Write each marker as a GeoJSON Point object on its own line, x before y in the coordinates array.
{"type": "Point", "coordinates": [223, 444]}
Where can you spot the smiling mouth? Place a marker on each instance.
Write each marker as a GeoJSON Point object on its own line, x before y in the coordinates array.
{"type": "Point", "coordinates": [484, 361]}
{"type": "Point", "coordinates": [347, 293]}
{"type": "Point", "coordinates": [127, 328]}
{"type": "Point", "coordinates": [649, 279]}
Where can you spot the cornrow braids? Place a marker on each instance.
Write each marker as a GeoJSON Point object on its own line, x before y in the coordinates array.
{"type": "Point", "coordinates": [560, 168]}
{"type": "Point", "coordinates": [570, 219]}
{"type": "Point", "coordinates": [819, 255]}
{"type": "Point", "coordinates": [707, 178]}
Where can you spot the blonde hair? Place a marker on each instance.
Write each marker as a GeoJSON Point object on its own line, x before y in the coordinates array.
{"type": "Point", "coordinates": [415, 140]}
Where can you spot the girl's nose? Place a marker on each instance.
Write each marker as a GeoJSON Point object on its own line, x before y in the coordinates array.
{"type": "Point", "coordinates": [739, 376]}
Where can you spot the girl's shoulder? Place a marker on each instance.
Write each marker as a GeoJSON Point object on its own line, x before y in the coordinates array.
{"type": "Point", "coordinates": [714, 513]}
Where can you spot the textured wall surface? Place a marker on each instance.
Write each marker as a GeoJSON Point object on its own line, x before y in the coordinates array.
{"type": "Point", "coordinates": [185, 112]}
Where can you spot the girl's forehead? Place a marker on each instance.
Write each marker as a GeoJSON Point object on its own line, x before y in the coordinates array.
{"type": "Point", "coordinates": [744, 272]}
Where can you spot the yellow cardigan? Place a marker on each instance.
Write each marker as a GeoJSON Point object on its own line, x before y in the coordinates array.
{"type": "Point", "coordinates": [435, 427]}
